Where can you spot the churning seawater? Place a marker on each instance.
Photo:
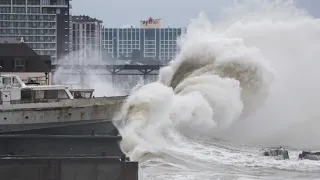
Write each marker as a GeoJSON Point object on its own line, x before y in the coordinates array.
{"type": "Point", "coordinates": [248, 81]}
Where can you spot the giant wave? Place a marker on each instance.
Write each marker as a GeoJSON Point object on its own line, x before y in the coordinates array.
{"type": "Point", "coordinates": [251, 78]}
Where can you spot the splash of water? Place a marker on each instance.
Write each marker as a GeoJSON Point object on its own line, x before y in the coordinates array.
{"type": "Point", "coordinates": [222, 84]}
{"type": "Point", "coordinates": [212, 82]}
{"type": "Point", "coordinates": [289, 38]}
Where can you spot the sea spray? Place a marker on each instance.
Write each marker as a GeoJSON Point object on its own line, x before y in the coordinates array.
{"type": "Point", "coordinates": [144, 117]}
{"type": "Point", "coordinates": [288, 38]}
{"type": "Point", "coordinates": [250, 78]}
{"type": "Point", "coordinates": [212, 83]}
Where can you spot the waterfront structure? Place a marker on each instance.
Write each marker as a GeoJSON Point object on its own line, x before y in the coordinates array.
{"type": "Point", "coordinates": [43, 24]}
{"type": "Point", "coordinates": [86, 36]}
{"type": "Point", "coordinates": [150, 41]}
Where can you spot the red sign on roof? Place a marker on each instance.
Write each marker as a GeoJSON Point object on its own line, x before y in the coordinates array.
{"type": "Point", "coordinates": [150, 20]}
{"type": "Point", "coordinates": [151, 23]}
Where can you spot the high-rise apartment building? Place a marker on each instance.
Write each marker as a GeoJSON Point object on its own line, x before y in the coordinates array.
{"type": "Point", "coordinates": [43, 24]}
{"type": "Point", "coordinates": [150, 41]}
{"type": "Point", "coordinates": [86, 36]}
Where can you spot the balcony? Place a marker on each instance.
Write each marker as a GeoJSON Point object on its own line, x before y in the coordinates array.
{"type": "Point", "coordinates": [58, 3]}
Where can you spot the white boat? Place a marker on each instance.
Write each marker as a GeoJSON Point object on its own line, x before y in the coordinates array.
{"type": "Point", "coordinates": [27, 107]}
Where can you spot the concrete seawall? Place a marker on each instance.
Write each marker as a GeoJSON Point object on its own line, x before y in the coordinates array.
{"type": "Point", "coordinates": [59, 145]}
{"type": "Point", "coordinates": [64, 157]}
{"type": "Point", "coordinates": [67, 168]}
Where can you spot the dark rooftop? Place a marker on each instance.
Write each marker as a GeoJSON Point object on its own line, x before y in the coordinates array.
{"type": "Point", "coordinates": [33, 61]}
{"type": "Point", "coordinates": [84, 18]}
{"type": "Point", "coordinates": [16, 49]}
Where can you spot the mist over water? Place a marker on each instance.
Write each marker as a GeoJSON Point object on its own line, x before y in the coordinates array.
{"type": "Point", "coordinates": [251, 78]}
{"type": "Point", "coordinates": [84, 77]}
{"type": "Point", "coordinates": [101, 79]}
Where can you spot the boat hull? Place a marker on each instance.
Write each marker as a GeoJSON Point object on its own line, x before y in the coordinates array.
{"type": "Point", "coordinates": [20, 117]}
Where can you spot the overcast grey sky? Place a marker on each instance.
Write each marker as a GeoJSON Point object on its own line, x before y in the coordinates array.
{"type": "Point", "coordinates": [175, 13]}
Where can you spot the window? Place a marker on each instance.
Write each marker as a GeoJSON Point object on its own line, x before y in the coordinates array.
{"type": "Point", "coordinates": [26, 95]}
{"type": "Point", "coordinates": [19, 2]}
{"type": "Point", "coordinates": [15, 82]}
{"type": "Point", "coordinates": [19, 64]}
{"type": "Point", "coordinates": [5, 10]}
{"type": "Point", "coordinates": [33, 10]}
{"type": "Point", "coordinates": [87, 95]}
{"type": "Point", "coordinates": [6, 80]}
{"type": "Point", "coordinates": [62, 94]}
{"type": "Point", "coordinates": [5, 2]}
{"type": "Point", "coordinates": [50, 94]}
{"type": "Point", "coordinates": [93, 27]}
{"type": "Point", "coordinates": [39, 94]}
{"type": "Point", "coordinates": [19, 10]}
{"type": "Point", "coordinates": [33, 2]}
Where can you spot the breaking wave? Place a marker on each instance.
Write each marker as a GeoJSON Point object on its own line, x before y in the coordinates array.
{"type": "Point", "coordinates": [251, 78]}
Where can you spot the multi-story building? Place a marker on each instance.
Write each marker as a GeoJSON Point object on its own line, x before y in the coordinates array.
{"type": "Point", "coordinates": [43, 24]}
{"type": "Point", "coordinates": [86, 36]}
{"type": "Point", "coordinates": [150, 41]}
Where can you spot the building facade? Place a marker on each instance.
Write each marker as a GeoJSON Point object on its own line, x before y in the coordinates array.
{"type": "Point", "coordinates": [43, 24]}
{"type": "Point", "coordinates": [150, 41]}
{"type": "Point", "coordinates": [86, 36]}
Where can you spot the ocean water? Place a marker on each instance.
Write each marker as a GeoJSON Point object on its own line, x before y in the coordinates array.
{"type": "Point", "coordinates": [246, 82]}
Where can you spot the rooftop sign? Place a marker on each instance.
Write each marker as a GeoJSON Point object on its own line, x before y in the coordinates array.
{"type": "Point", "coordinates": [151, 23]}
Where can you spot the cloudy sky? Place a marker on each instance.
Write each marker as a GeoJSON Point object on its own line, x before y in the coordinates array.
{"type": "Point", "coordinates": [175, 13]}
